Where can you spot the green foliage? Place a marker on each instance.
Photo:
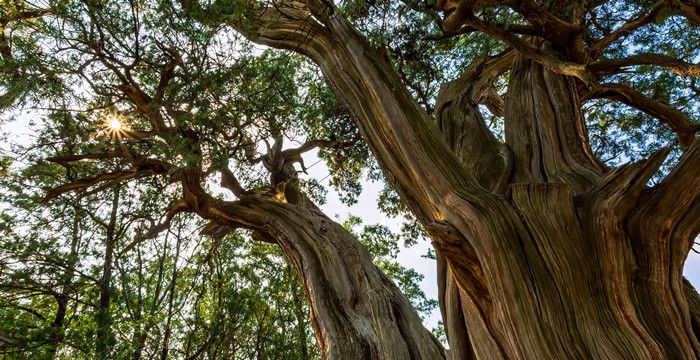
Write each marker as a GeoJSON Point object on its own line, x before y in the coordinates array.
{"type": "Point", "coordinates": [619, 133]}
{"type": "Point", "coordinates": [182, 294]}
{"type": "Point", "coordinates": [232, 299]}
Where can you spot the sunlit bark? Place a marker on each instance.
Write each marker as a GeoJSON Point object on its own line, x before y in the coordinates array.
{"type": "Point", "coordinates": [548, 261]}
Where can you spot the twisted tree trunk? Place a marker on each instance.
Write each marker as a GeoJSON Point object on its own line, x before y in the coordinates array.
{"type": "Point", "coordinates": [356, 310]}
{"type": "Point", "coordinates": [543, 252]}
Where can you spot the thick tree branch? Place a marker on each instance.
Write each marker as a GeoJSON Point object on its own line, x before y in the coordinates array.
{"type": "Point", "coordinates": [545, 128]}
{"type": "Point", "coordinates": [287, 25]}
{"type": "Point", "coordinates": [294, 155]}
{"type": "Point", "coordinates": [535, 13]}
{"type": "Point", "coordinates": [22, 15]}
{"type": "Point", "coordinates": [148, 167]}
{"type": "Point", "coordinates": [564, 34]}
{"type": "Point", "coordinates": [216, 231]}
{"type": "Point", "coordinates": [229, 181]}
{"type": "Point", "coordinates": [145, 104]}
{"type": "Point", "coordinates": [65, 159]}
{"type": "Point", "coordinates": [680, 190]}
{"type": "Point", "coordinates": [167, 73]}
{"type": "Point", "coordinates": [460, 120]}
{"type": "Point", "coordinates": [455, 10]}
{"type": "Point", "coordinates": [621, 188]}
{"type": "Point", "coordinates": [556, 65]}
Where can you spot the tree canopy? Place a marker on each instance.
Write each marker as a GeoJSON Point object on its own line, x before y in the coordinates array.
{"type": "Point", "coordinates": [163, 208]}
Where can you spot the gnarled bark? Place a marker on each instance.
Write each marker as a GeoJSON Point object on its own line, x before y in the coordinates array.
{"type": "Point", "coordinates": [547, 270]}
{"type": "Point", "coordinates": [560, 258]}
{"type": "Point", "coordinates": [460, 121]}
{"type": "Point", "coordinates": [545, 128]}
{"type": "Point", "coordinates": [356, 310]}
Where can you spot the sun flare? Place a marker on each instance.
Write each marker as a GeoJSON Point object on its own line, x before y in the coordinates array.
{"type": "Point", "coordinates": [114, 126]}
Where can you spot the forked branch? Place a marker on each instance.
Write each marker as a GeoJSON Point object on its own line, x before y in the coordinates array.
{"type": "Point", "coordinates": [176, 207]}
{"type": "Point", "coordinates": [628, 27]}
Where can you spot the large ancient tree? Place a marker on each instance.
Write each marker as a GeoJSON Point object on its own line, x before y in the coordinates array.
{"type": "Point", "coordinates": [544, 250]}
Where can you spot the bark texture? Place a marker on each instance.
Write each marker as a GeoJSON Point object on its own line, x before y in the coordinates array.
{"type": "Point", "coordinates": [543, 252]}
{"type": "Point", "coordinates": [356, 310]}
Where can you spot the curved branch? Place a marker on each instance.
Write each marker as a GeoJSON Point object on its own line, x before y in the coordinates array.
{"type": "Point", "coordinates": [676, 119]}
{"type": "Point", "coordinates": [290, 26]}
{"type": "Point", "coordinates": [294, 155]}
{"type": "Point", "coordinates": [176, 207]}
{"type": "Point", "coordinates": [556, 65]}
{"type": "Point", "coordinates": [553, 28]}
{"type": "Point", "coordinates": [621, 188]}
{"type": "Point", "coordinates": [628, 27]}
{"type": "Point", "coordinates": [668, 212]}
{"type": "Point", "coordinates": [65, 159]}
{"type": "Point", "coordinates": [145, 104]}
{"type": "Point", "coordinates": [681, 188]}
{"type": "Point", "coordinates": [460, 121]}
{"type": "Point", "coordinates": [148, 167]}
{"type": "Point", "coordinates": [229, 181]}
{"type": "Point", "coordinates": [533, 12]}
